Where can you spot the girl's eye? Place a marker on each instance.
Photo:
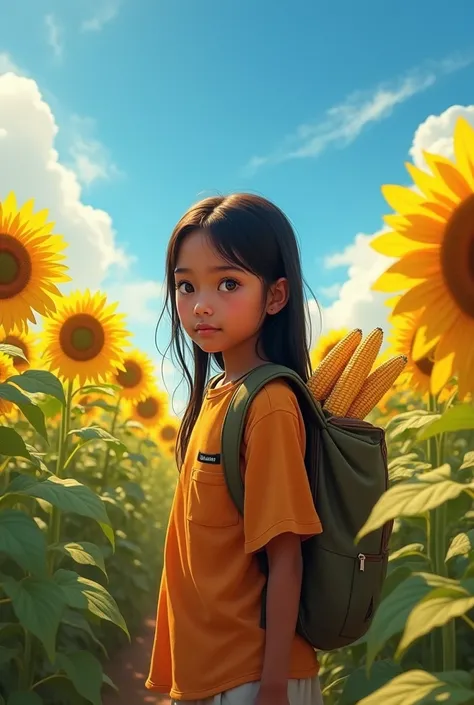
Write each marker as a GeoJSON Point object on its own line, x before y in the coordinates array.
{"type": "Point", "coordinates": [229, 284]}
{"type": "Point", "coordinates": [185, 287]}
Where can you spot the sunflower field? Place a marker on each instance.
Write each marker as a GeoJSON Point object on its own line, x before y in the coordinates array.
{"type": "Point", "coordinates": [87, 470]}
{"type": "Point", "coordinates": [86, 475]}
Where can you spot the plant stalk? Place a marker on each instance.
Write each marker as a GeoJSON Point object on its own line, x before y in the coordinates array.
{"type": "Point", "coordinates": [105, 469]}
{"type": "Point", "coordinates": [443, 640]}
{"type": "Point", "coordinates": [55, 517]}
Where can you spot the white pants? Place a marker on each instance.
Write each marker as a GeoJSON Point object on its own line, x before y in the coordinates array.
{"type": "Point", "coordinates": [305, 691]}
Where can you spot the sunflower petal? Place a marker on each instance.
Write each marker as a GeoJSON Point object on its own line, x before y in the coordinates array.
{"type": "Point", "coordinates": [464, 149]}
{"type": "Point", "coordinates": [393, 244]}
{"type": "Point", "coordinates": [449, 175]}
{"type": "Point", "coordinates": [419, 296]}
{"type": "Point", "coordinates": [401, 198]}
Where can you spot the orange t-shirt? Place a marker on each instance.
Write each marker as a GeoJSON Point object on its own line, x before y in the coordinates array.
{"type": "Point", "coordinates": [208, 637]}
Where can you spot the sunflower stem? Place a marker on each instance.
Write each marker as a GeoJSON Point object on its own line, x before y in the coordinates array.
{"type": "Point", "coordinates": [55, 518]}
{"type": "Point", "coordinates": [105, 469]}
{"type": "Point", "coordinates": [26, 673]}
{"type": "Point", "coordinates": [443, 641]}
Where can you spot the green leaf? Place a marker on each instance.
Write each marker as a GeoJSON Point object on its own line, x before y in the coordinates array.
{"type": "Point", "coordinates": [95, 433]}
{"type": "Point", "coordinates": [22, 540]}
{"type": "Point", "coordinates": [85, 673]}
{"type": "Point", "coordinates": [101, 404]}
{"type": "Point", "coordinates": [82, 552]}
{"type": "Point", "coordinates": [456, 418]}
{"type": "Point", "coordinates": [108, 389]}
{"type": "Point", "coordinates": [108, 681]}
{"type": "Point", "coordinates": [409, 420]}
{"type": "Point", "coordinates": [11, 393]}
{"type": "Point", "coordinates": [413, 498]}
{"type": "Point", "coordinates": [81, 593]}
{"type": "Point", "coordinates": [12, 444]}
{"type": "Point", "coordinates": [50, 407]}
{"type": "Point", "coordinates": [38, 604]}
{"type": "Point", "coordinates": [12, 351]}
{"type": "Point", "coordinates": [67, 494]}
{"type": "Point", "coordinates": [437, 608]}
{"type": "Point", "coordinates": [411, 549]}
{"type": "Point", "coordinates": [360, 684]}
{"type": "Point", "coordinates": [468, 461]}
{"type": "Point", "coordinates": [392, 614]}
{"type": "Point", "coordinates": [461, 545]}
{"type": "Point", "coordinates": [6, 655]}
{"type": "Point", "coordinates": [25, 697]}
{"type": "Point", "coordinates": [40, 382]}
{"type": "Point", "coordinates": [77, 620]}
{"type": "Point", "coordinates": [35, 416]}
{"type": "Point", "coordinates": [421, 688]}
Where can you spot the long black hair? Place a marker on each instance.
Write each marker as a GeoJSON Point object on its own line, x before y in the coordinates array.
{"type": "Point", "coordinates": [250, 232]}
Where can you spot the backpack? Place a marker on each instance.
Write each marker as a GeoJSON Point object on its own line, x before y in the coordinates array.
{"type": "Point", "coordinates": [346, 462]}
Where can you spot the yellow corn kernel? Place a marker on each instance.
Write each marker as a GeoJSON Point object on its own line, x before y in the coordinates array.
{"type": "Point", "coordinates": [376, 385]}
{"type": "Point", "coordinates": [332, 365]}
{"type": "Point", "coordinates": [355, 374]}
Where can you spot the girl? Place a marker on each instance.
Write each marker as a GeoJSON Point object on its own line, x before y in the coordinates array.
{"type": "Point", "coordinates": [235, 289]}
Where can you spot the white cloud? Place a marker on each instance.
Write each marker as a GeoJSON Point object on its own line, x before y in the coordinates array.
{"type": "Point", "coordinates": [91, 161]}
{"type": "Point", "coordinates": [141, 301]}
{"type": "Point", "coordinates": [32, 169]}
{"type": "Point", "coordinates": [435, 134]}
{"type": "Point", "coordinates": [357, 305]}
{"type": "Point", "coordinates": [343, 123]}
{"type": "Point", "coordinates": [54, 35]}
{"type": "Point", "coordinates": [104, 11]}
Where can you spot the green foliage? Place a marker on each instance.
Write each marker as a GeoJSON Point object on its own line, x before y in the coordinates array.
{"type": "Point", "coordinates": [418, 650]}
{"type": "Point", "coordinates": [80, 559]}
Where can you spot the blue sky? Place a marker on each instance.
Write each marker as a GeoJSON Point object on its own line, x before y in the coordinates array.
{"type": "Point", "coordinates": [177, 98]}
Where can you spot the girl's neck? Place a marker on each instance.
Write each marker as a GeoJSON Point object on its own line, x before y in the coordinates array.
{"type": "Point", "coordinates": [240, 360]}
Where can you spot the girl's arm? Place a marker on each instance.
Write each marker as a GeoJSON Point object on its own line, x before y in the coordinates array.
{"type": "Point", "coordinates": [283, 595]}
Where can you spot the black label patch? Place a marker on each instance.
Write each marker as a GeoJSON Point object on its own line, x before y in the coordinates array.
{"type": "Point", "coordinates": [209, 458]}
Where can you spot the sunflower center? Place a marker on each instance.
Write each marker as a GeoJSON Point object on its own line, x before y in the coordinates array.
{"type": "Point", "coordinates": [15, 267]}
{"type": "Point", "coordinates": [82, 337]}
{"type": "Point", "coordinates": [168, 433]}
{"type": "Point", "coordinates": [132, 376]}
{"type": "Point", "coordinates": [148, 408]}
{"type": "Point", "coordinates": [13, 340]}
{"type": "Point", "coordinates": [457, 256]}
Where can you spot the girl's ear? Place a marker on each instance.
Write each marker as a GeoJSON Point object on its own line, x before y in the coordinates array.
{"type": "Point", "coordinates": [277, 296]}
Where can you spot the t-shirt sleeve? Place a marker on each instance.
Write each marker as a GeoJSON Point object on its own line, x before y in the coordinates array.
{"type": "Point", "coordinates": [278, 497]}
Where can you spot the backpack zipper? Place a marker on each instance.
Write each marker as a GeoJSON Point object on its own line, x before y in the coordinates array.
{"type": "Point", "coordinates": [369, 558]}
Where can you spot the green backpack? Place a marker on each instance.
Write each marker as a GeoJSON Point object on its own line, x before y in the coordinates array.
{"type": "Point", "coordinates": [346, 461]}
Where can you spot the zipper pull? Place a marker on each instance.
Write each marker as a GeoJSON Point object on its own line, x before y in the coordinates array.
{"type": "Point", "coordinates": [361, 558]}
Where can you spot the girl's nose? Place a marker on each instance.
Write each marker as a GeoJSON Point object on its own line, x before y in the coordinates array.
{"type": "Point", "coordinates": [202, 308]}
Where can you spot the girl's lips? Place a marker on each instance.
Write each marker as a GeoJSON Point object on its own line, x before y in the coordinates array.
{"type": "Point", "coordinates": [206, 330]}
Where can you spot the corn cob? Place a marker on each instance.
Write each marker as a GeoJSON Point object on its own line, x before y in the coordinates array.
{"type": "Point", "coordinates": [376, 385]}
{"type": "Point", "coordinates": [354, 375]}
{"type": "Point", "coordinates": [331, 367]}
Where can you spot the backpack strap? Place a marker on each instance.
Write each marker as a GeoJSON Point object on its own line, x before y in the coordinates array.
{"type": "Point", "coordinates": [233, 431]}
{"type": "Point", "coordinates": [234, 421]}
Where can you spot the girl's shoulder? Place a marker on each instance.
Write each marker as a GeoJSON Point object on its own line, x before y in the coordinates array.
{"type": "Point", "coordinates": [275, 396]}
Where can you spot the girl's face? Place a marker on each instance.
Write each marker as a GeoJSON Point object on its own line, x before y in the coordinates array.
{"type": "Point", "coordinates": [220, 305]}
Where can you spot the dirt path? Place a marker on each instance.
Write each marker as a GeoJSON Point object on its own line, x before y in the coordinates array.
{"type": "Point", "coordinates": [129, 671]}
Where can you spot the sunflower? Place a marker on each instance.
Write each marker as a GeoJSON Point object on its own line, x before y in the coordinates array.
{"type": "Point", "coordinates": [168, 431]}
{"type": "Point", "coordinates": [84, 340]}
{"type": "Point", "coordinates": [30, 264]}
{"type": "Point", "coordinates": [136, 377]}
{"type": "Point", "coordinates": [27, 344]}
{"type": "Point", "coordinates": [433, 238]}
{"type": "Point", "coordinates": [90, 413]}
{"type": "Point", "coordinates": [151, 410]}
{"type": "Point", "coordinates": [325, 344]}
{"type": "Point", "coordinates": [6, 370]}
{"type": "Point", "coordinates": [417, 373]}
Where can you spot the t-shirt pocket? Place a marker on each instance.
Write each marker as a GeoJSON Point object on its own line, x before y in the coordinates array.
{"type": "Point", "coordinates": [209, 502]}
